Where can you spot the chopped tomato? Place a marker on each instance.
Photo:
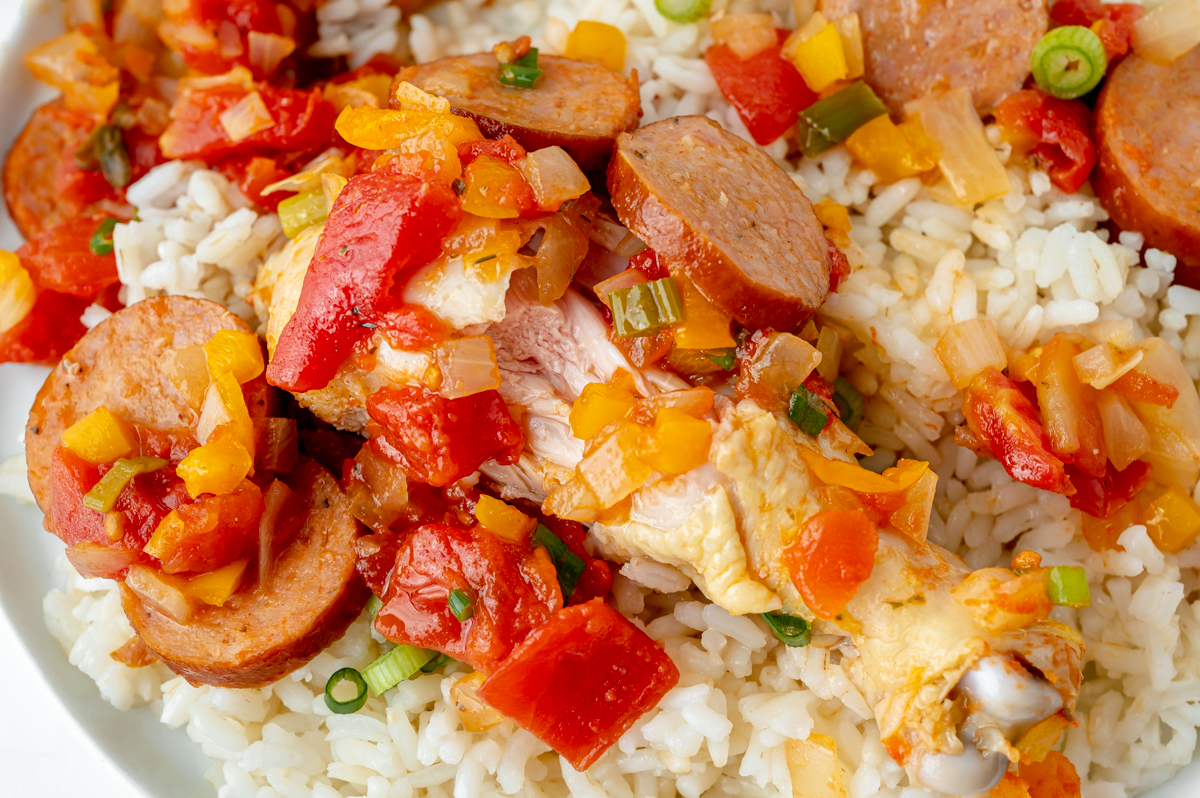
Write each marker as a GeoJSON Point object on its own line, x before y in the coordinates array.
{"type": "Point", "coordinates": [1141, 387]}
{"type": "Point", "coordinates": [581, 681]}
{"type": "Point", "coordinates": [597, 577]}
{"type": "Point", "coordinates": [649, 265]}
{"type": "Point", "coordinates": [381, 224]}
{"type": "Point", "coordinates": [247, 15]}
{"type": "Point", "coordinates": [1113, 23]}
{"type": "Point", "coordinates": [766, 89]}
{"type": "Point", "coordinates": [51, 328]}
{"type": "Point", "coordinates": [59, 259]}
{"type": "Point", "coordinates": [831, 558]}
{"type": "Point", "coordinates": [1053, 777]}
{"type": "Point", "coordinates": [1007, 423]}
{"type": "Point", "coordinates": [211, 532]}
{"type": "Point", "coordinates": [505, 148]}
{"type": "Point", "coordinates": [1069, 408]}
{"type": "Point", "coordinates": [230, 22]}
{"type": "Point", "coordinates": [496, 190]}
{"type": "Point", "coordinates": [1104, 496]}
{"type": "Point", "coordinates": [1055, 132]}
{"type": "Point", "coordinates": [412, 327]}
{"type": "Point", "coordinates": [77, 186]}
{"type": "Point", "coordinates": [513, 590]}
{"type": "Point", "coordinates": [252, 175]}
{"type": "Point", "coordinates": [439, 440]}
{"type": "Point", "coordinates": [839, 267]}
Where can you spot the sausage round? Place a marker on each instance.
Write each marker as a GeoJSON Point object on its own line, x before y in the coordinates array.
{"type": "Point", "coordinates": [1148, 140]}
{"type": "Point", "coordinates": [261, 634]}
{"type": "Point", "coordinates": [722, 212]}
{"type": "Point", "coordinates": [578, 106]}
{"type": "Point", "coordinates": [911, 48]}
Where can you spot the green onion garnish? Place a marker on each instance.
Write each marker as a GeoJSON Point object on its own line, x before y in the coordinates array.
{"type": "Point", "coordinates": [566, 562]}
{"type": "Point", "coordinates": [725, 358]}
{"type": "Point", "coordinates": [807, 412]}
{"type": "Point", "coordinates": [646, 308]}
{"type": "Point", "coordinates": [1067, 586]}
{"type": "Point", "coordinates": [103, 495]}
{"type": "Point", "coordinates": [832, 120]}
{"type": "Point", "coordinates": [374, 605]}
{"type": "Point", "coordinates": [298, 213]}
{"type": "Point", "coordinates": [104, 150]}
{"type": "Point", "coordinates": [395, 666]}
{"type": "Point", "coordinates": [683, 11]}
{"type": "Point", "coordinates": [461, 605]}
{"type": "Point", "coordinates": [437, 662]}
{"type": "Point", "coordinates": [354, 704]}
{"type": "Point", "coordinates": [101, 242]}
{"type": "Point", "coordinates": [1069, 61]}
{"type": "Point", "coordinates": [530, 59]}
{"type": "Point", "coordinates": [793, 630]}
{"type": "Point", "coordinates": [849, 402]}
{"type": "Point", "coordinates": [523, 72]}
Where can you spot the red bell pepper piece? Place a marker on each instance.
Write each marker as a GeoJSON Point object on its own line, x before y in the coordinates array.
{"type": "Point", "coordinates": [381, 224]}
{"type": "Point", "coordinates": [60, 259]}
{"type": "Point", "coordinates": [766, 89]}
{"type": "Point", "coordinates": [513, 590]}
{"type": "Point", "coordinates": [1060, 128]}
{"type": "Point", "coordinates": [581, 681]}
{"type": "Point", "coordinates": [1103, 497]}
{"type": "Point", "coordinates": [439, 441]}
{"type": "Point", "coordinates": [1007, 423]}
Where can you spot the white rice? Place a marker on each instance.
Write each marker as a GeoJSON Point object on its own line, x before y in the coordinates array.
{"type": "Point", "coordinates": [1033, 261]}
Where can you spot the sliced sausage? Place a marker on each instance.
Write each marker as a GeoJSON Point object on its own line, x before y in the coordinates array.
{"type": "Point", "coordinates": [32, 165]}
{"type": "Point", "coordinates": [577, 106]}
{"type": "Point", "coordinates": [1148, 137]}
{"type": "Point", "coordinates": [721, 211]}
{"type": "Point", "coordinates": [911, 48]}
{"type": "Point", "coordinates": [261, 634]}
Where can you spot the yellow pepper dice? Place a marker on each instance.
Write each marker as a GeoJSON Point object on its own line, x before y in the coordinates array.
{"type": "Point", "coordinates": [502, 520]}
{"type": "Point", "coordinates": [17, 293]}
{"type": "Point", "coordinates": [893, 152]}
{"type": "Point", "coordinates": [706, 326]}
{"type": "Point", "coordinates": [100, 437]}
{"type": "Point", "coordinates": [224, 415]}
{"type": "Point", "coordinates": [597, 42]}
{"type": "Point", "coordinates": [216, 587]}
{"type": "Point", "coordinates": [490, 182]}
{"type": "Point", "coordinates": [678, 442]}
{"type": "Point", "coordinates": [413, 99]}
{"type": "Point", "coordinates": [598, 406]}
{"type": "Point", "coordinates": [1172, 520]}
{"type": "Point", "coordinates": [382, 129]}
{"type": "Point", "coordinates": [819, 58]}
{"type": "Point", "coordinates": [216, 467]}
{"type": "Point", "coordinates": [234, 352]}
{"type": "Point", "coordinates": [166, 534]}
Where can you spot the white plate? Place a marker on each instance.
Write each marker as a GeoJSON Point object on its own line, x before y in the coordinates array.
{"type": "Point", "coordinates": [161, 761]}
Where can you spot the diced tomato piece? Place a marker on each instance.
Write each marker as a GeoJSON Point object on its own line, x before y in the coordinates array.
{"type": "Point", "coordinates": [59, 259]}
{"type": "Point", "coordinates": [1141, 387]}
{"type": "Point", "coordinates": [648, 263]}
{"type": "Point", "coordinates": [1059, 128]}
{"type": "Point", "coordinates": [1007, 423]}
{"type": "Point", "coordinates": [50, 329]}
{"type": "Point", "coordinates": [147, 500]}
{"type": "Point", "coordinates": [581, 681]}
{"type": "Point", "coordinates": [252, 175]}
{"type": "Point", "coordinates": [513, 590]}
{"type": "Point", "coordinates": [831, 558]}
{"type": "Point", "coordinates": [1069, 408]}
{"type": "Point", "coordinates": [80, 187]}
{"type": "Point", "coordinates": [505, 148]}
{"type": "Point", "coordinates": [766, 89]}
{"type": "Point", "coordinates": [1103, 497]}
{"type": "Point", "coordinates": [1113, 23]}
{"type": "Point", "coordinates": [412, 327]}
{"type": "Point", "coordinates": [247, 15]}
{"type": "Point", "coordinates": [214, 531]}
{"type": "Point", "coordinates": [381, 224]}
{"type": "Point", "coordinates": [644, 350]}
{"type": "Point", "coordinates": [143, 152]}
{"type": "Point", "coordinates": [439, 440]}
{"type": "Point", "coordinates": [839, 267]}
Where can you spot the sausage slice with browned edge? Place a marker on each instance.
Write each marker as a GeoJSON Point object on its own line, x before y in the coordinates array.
{"type": "Point", "coordinates": [1148, 141]}
{"type": "Point", "coordinates": [578, 106]}
{"type": "Point", "coordinates": [722, 212]}
{"type": "Point", "coordinates": [911, 48]}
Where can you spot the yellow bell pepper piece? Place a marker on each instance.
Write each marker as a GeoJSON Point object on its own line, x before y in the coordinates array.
{"type": "Point", "coordinates": [170, 529]}
{"type": "Point", "coordinates": [100, 437]}
{"type": "Point", "coordinates": [217, 467]}
{"type": "Point", "coordinates": [413, 99]}
{"type": "Point", "coordinates": [1172, 520]}
{"type": "Point", "coordinates": [850, 29]}
{"type": "Point", "coordinates": [503, 520]}
{"type": "Point", "coordinates": [893, 152]}
{"type": "Point", "coordinates": [821, 59]}
{"type": "Point", "coordinates": [1036, 742]}
{"type": "Point", "coordinates": [17, 293]}
{"type": "Point", "coordinates": [705, 326]}
{"type": "Point", "coordinates": [853, 476]}
{"type": "Point", "coordinates": [678, 442]}
{"type": "Point", "coordinates": [488, 183]}
{"type": "Point", "coordinates": [493, 260]}
{"type": "Point", "coordinates": [225, 410]}
{"type": "Point", "coordinates": [216, 587]}
{"type": "Point", "coordinates": [613, 469]}
{"type": "Point", "coordinates": [382, 129]}
{"type": "Point", "coordinates": [597, 42]}
{"type": "Point", "coordinates": [598, 406]}
{"type": "Point", "coordinates": [234, 352]}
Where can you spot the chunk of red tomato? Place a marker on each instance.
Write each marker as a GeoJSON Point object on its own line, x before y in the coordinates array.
{"type": "Point", "coordinates": [1055, 132]}
{"type": "Point", "coordinates": [831, 558]}
{"type": "Point", "coordinates": [212, 532]}
{"type": "Point", "coordinates": [1103, 497]}
{"type": "Point", "coordinates": [766, 89]}
{"type": "Point", "coordinates": [60, 259]}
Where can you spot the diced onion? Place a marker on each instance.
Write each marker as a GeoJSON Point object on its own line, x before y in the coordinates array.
{"type": "Point", "coordinates": [968, 348]}
{"type": "Point", "coordinates": [17, 293]}
{"type": "Point", "coordinates": [267, 50]}
{"type": "Point", "coordinates": [213, 414]}
{"type": "Point", "coordinates": [1168, 31]}
{"type": "Point", "coordinates": [1174, 431]}
{"type": "Point", "coordinates": [160, 591]}
{"type": "Point", "coordinates": [777, 366]}
{"type": "Point", "coordinates": [969, 163]}
{"type": "Point", "coordinates": [615, 238]}
{"type": "Point", "coordinates": [473, 712]}
{"type": "Point", "coordinates": [693, 401]}
{"type": "Point", "coordinates": [850, 29]}
{"type": "Point", "coordinates": [746, 34]}
{"type": "Point", "coordinates": [1103, 364]}
{"type": "Point", "coordinates": [73, 64]}
{"type": "Point", "coordinates": [246, 117]}
{"type": "Point", "coordinates": [468, 366]}
{"type": "Point", "coordinates": [829, 344]}
{"type": "Point", "coordinates": [564, 246]}
{"type": "Point", "coordinates": [814, 763]}
{"type": "Point", "coordinates": [1125, 437]}
{"type": "Point", "coordinates": [554, 177]}
{"type": "Point", "coordinates": [237, 76]}
{"type": "Point", "coordinates": [94, 560]}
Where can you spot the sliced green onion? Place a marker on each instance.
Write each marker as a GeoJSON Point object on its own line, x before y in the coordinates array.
{"type": "Point", "coordinates": [437, 662]}
{"type": "Point", "coordinates": [1069, 61]}
{"type": "Point", "coordinates": [530, 59]}
{"type": "Point", "coordinates": [101, 242]}
{"type": "Point", "coordinates": [298, 213]}
{"type": "Point", "coordinates": [646, 308]}
{"type": "Point", "coordinates": [104, 150]}
{"type": "Point", "coordinates": [725, 358]}
{"type": "Point", "coordinates": [461, 605]}
{"type": "Point", "coordinates": [566, 562]}
{"type": "Point", "coordinates": [395, 666]}
{"type": "Point", "coordinates": [1067, 586]}
{"type": "Point", "coordinates": [522, 77]}
{"type": "Point", "coordinates": [354, 704]}
{"type": "Point", "coordinates": [683, 11]}
{"type": "Point", "coordinates": [830, 121]}
{"type": "Point", "coordinates": [849, 402]}
{"type": "Point", "coordinates": [807, 412]}
{"type": "Point", "coordinates": [374, 606]}
{"type": "Point", "coordinates": [103, 495]}
{"type": "Point", "coordinates": [793, 630]}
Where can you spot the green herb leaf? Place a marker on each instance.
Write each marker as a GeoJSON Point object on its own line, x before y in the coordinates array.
{"type": "Point", "coordinates": [522, 77]}
{"type": "Point", "coordinates": [101, 243]}
{"type": "Point", "coordinates": [807, 412]}
{"type": "Point", "coordinates": [849, 402]}
{"type": "Point", "coordinates": [725, 358]}
{"type": "Point", "coordinates": [793, 630]}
